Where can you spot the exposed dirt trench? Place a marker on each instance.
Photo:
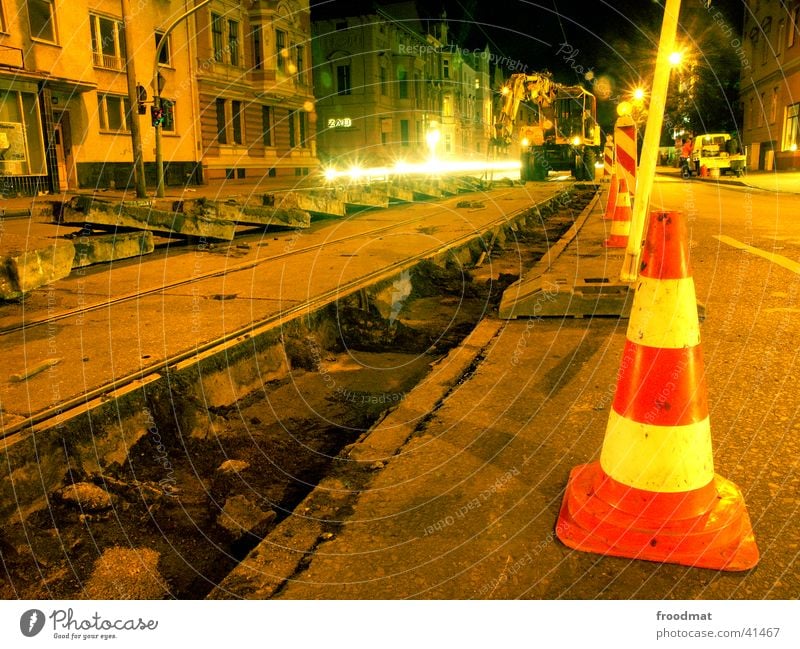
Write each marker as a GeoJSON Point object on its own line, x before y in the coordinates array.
{"type": "Point", "coordinates": [184, 507]}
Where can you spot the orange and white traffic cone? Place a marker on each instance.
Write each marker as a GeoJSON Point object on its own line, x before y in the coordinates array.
{"type": "Point", "coordinates": [654, 494]}
{"type": "Point", "coordinates": [621, 225]}
{"type": "Point", "coordinates": [611, 203]}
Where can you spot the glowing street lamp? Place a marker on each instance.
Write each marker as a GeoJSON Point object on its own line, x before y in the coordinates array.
{"type": "Point", "coordinates": [675, 58]}
{"type": "Point", "coordinates": [432, 138]}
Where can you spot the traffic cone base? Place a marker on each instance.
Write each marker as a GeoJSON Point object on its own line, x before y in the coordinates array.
{"type": "Point", "coordinates": [719, 537]}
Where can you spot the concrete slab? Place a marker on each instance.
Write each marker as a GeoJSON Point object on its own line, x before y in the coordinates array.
{"type": "Point", "coordinates": [96, 249]}
{"type": "Point", "coordinates": [324, 202]}
{"type": "Point", "coordinates": [578, 278]}
{"type": "Point", "coordinates": [27, 264]}
{"type": "Point", "coordinates": [364, 197]}
{"type": "Point", "coordinates": [249, 214]}
{"type": "Point", "coordinates": [142, 215]}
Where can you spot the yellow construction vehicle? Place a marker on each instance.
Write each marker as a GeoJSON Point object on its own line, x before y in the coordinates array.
{"type": "Point", "coordinates": [564, 134]}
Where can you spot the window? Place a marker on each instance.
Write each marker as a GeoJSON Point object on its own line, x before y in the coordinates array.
{"type": "Point", "coordinates": [42, 18]}
{"type": "Point", "coordinates": [280, 50]}
{"type": "Point", "coordinates": [404, 132]}
{"type": "Point", "coordinates": [163, 56]}
{"type": "Point", "coordinates": [298, 51]}
{"type": "Point", "coordinates": [447, 106]}
{"type": "Point", "coordinates": [765, 46]}
{"type": "Point", "coordinates": [216, 38]}
{"type": "Point", "coordinates": [114, 112]}
{"type": "Point", "coordinates": [383, 81]}
{"type": "Point", "coordinates": [445, 68]}
{"type": "Point", "coordinates": [108, 42]}
{"type": "Point", "coordinates": [258, 45]}
{"type": "Point", "coordinates": [791, 130]}
{"type": "Point", "coordinates": [403, 84]}
{"type": "Point", "coordinates": [761, 111]}
{"type": "Point", "coordinates": [793, 27]}
{"type": "Point", "coordinates": [343, 80]}
{"type": "Point", "coordinates": [292, 132]}
{"type": "Point", "coordinates": [236, 121]}
{"type": "Point", "coordinates": [302, 120]}
{"type": "Point", "coordinates": [773, 106]}
{"type": "Point", "coordinates": [233, 42]}
{"type": "Point", "coordinates": [20, 126]}
{"type": "Point", "coordinates": [266, 125]}
{"type": "Point", "coordinates": [222, 134]}
{"type": "Point", "coordinates": [780, 37]}
{"type": "Point", "coordinates": [225, 40]}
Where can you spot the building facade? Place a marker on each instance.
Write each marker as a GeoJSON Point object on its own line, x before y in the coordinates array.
{"type": "Point", "coordinates": [389, 89]}
{"type": "Point", "coordinates": [770, 84]}
{"type": "Point", "coordinates": [238, 108]}
{"type": "Point", "coordinates": [256, 104]}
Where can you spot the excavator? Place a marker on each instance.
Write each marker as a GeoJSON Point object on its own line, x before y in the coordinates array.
{"type": "Point", "coordinates": [563, 134]}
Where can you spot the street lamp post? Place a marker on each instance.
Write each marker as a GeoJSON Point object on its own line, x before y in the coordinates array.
{"type": "Point", "coordinates": [652, 136]}
{"type": "Point", "coordinates": [157, 95]}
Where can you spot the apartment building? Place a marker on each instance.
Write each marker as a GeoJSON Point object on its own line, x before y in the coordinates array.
{"type": "Point", "coordinates": [390, 87]}
{"type": "Point", "coordinates": [235, 73]}
{"type": "Point", "coordinates": [770, 84]}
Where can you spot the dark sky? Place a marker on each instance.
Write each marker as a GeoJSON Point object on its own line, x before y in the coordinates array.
{"type": "Point", "coordinates": [533, 32]}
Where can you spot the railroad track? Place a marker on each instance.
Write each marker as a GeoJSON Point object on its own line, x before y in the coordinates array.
{"type": "Point", "coordinates": [253, 328]}
{"type": "Point", "coordinates": [54, 317]}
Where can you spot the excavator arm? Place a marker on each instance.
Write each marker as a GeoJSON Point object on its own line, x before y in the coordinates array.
{"type": "Point", "coordinates": [538, 88]}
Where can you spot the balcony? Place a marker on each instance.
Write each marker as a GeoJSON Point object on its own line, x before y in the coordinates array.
{"type": "Point", "coordinates": [108, 61]}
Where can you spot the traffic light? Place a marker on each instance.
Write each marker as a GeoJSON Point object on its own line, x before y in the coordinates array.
{"type": "Point", "coordinates": [141, 96]}
{"type": "Point", "coordinates": [168, 121]}
{"type": "Point", "coordinates": [156, 116]}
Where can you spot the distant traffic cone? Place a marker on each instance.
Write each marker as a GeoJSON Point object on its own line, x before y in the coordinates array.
{"type": "Point", "coordinates": [621, 225]}
{"type": "Point", "coordinates": [611, 203]}
{"type": "Point", "coordinates": [654, 494]}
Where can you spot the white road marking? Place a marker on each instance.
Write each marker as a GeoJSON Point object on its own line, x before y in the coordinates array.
{"type": "Point", "coordinates": [775, 258]}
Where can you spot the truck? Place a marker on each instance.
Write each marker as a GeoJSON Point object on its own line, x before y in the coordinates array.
{"type": "Point", "coordinates": [564, 134]}
{"type": "Point", "coordinates": [717, 151]}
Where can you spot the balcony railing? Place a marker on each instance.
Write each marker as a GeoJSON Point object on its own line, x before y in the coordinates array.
{"type": "Point", "coordinates": [108, 61]}
{"type": "Point", "coordinates": [11, 57]}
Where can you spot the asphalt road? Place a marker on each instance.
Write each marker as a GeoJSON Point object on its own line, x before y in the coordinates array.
{"type": "Point", "coordinates": [467, 508]}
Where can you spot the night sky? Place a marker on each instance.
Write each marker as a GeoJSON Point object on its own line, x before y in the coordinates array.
{"type": "Point", "coordinates": [532, 33]}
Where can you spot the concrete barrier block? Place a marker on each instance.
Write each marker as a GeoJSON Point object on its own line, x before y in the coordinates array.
{"type": "Point", "coordinates": [110, 247]}
{"type": "Point", "coordinates": [27, 265]}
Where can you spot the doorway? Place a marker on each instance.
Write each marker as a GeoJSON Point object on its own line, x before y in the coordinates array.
{"type": "Point", "coordinates": [63, 146]}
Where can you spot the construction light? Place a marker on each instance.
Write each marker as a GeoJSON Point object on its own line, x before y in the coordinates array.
{"type": "Point", "coordinates": [638, 94]}
{"type": "Point", "coordinates": [525, 142]}
{"type": "Point", "coordinates": [624, 108]}
{"type": "Point", "coordinates": [576, 141]}
{"type": "Point", "coordinates": [676, 58]}
{"type": "Point", "coordinates": [330, 174]}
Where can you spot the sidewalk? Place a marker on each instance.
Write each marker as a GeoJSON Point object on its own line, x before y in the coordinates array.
{"type": "Point", "coordinates": [772, 181]}
{"type": "Point", "coordinates": [466, 506]}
